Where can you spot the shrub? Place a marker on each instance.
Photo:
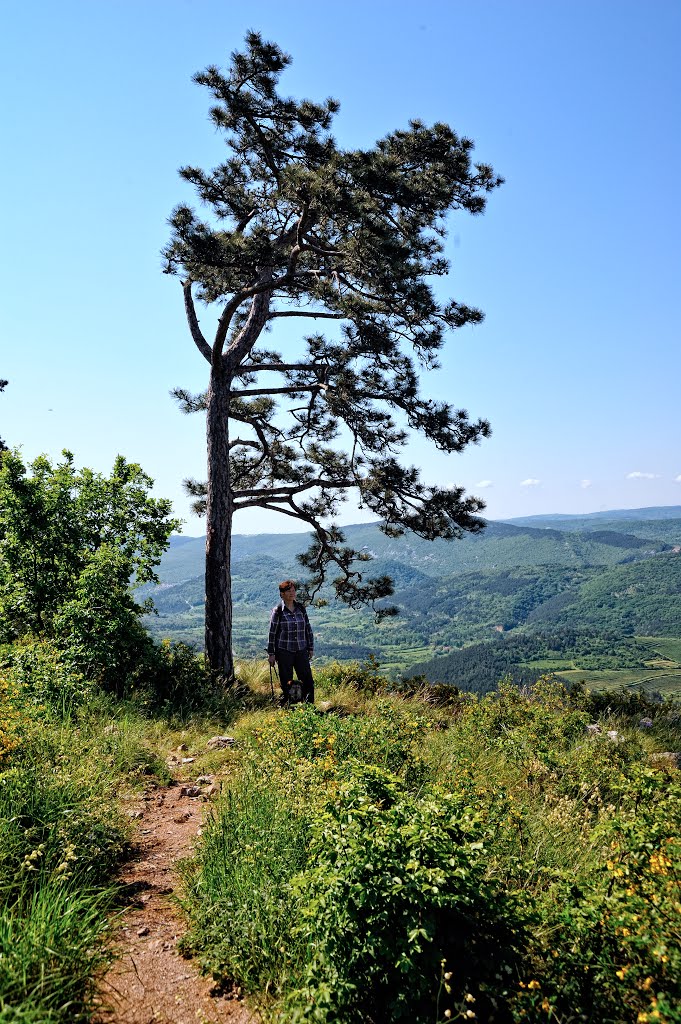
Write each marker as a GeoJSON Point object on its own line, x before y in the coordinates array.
{"type": "Point", "coordinates": [99, 629]}
{"type": "Point", "coordinates": [441, 695]}
{"type": "Point", "coordinates": [44, 679]}
{"type": "Point", "coordinates": [361, 676]}
{"type": "Point", "coordinates": [395, 895]}
{"type": "Point", "coordinates": [609, 945]}
{"type": "Point", "coordinates": [175, 680]}
{"type": "Point", "coordinates": [54, 522]}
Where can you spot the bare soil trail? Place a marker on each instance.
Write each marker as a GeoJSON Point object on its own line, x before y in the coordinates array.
{"type": "Point", "coordinates": [151, 982]}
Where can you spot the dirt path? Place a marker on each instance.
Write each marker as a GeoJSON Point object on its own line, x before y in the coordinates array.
{"type": "Point", "coordinates": [152, 983]}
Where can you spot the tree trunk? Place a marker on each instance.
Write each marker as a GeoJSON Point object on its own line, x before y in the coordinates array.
{"type": "Point", "coordinates": [219, 513]}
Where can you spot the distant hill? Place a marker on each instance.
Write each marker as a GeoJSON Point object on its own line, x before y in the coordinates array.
{"type": "Point", "coordinates": [643, 599]}
{"type": "Point", "coordinates": [652, 514]}
{"type": "Point", "coordinates": [499, 545]}
{"type": "Point", "coordinates": [529, 574]}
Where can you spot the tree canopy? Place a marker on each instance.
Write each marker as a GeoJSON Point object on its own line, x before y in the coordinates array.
{"type": "Point", "coordinates": [61, 527]}
{"type": "Point", "coordinates": [351, 239]}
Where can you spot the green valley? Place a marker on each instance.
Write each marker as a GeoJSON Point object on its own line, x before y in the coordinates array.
{"type": "Point", "coordinates": [601, 579]}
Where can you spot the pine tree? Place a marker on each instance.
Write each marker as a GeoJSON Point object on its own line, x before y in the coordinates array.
{"type": "Point", "coordinates": [300, 228]}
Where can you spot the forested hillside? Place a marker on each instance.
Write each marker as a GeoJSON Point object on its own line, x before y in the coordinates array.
{"type": "Point", "coordinates": [601, 573]}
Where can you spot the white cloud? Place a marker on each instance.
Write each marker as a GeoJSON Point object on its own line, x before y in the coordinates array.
{"type": "Point", "coordinates": [637, 475]}
{"type": "Point", "coordinates": [677, 479]}
{"type": "Point", "coordinates": [484, 483]}
{"type": "Point", "coordinates": [530, 482]}
{"type": "Point", "coordinates": [585, 484]}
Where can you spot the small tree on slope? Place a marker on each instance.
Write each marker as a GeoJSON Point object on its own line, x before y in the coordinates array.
{"type": "Point", "coordinates": [302, 229]}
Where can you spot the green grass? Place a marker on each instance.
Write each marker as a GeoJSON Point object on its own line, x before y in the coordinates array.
{"type": "Point", "coordinates": [336, 870]}
{"type": "Point", "coordinates": [668, 646]}
{"type": "Point", "coordinates": [668, 683]}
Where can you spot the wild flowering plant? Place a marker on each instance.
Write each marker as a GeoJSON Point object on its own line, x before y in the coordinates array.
{"type": "Point", "coordinates": [611, 939]}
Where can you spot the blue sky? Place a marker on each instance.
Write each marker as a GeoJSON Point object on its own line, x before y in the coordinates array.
{"type": "Point", "coordinates": [575, 262]}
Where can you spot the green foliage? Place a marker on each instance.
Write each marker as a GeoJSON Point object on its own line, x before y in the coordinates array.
{"type": "Point", "coordinates": [397, 895]}
{"type": "Point", "coordinates": [44, 676]}
{"type": "Point", "coordinates": [640, 598]}
{"type": "Point", "coordinates": [522, 657]}
{"type": "Point", "coordinates": [51, 949]}
{"type": "Point", "coordinates": [57, 525]}
{"type": "Point", "coordinates": [54, 519]}
{"type": "Point", "coordinates": [238, 892]}
{"type": "Point", "coordinates": [363, 677]}
{"type": "Point", "coordinates": [358, 852]}
{"type": "Point", "coordinates": [70, 541]}
{"type": "Point", "coordinates": [610, 943]}
{"type": "Point", "coordinates": [11, 717]}
{"type": "Point", "coordinates": [99, 628]}
{"type": "Point", "coordinates": [243, 907]}
{"type": "Point", "coordinates": [174, 680]}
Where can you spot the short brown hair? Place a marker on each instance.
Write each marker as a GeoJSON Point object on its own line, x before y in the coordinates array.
{"type": "Point", "coordinates": [286, 585]}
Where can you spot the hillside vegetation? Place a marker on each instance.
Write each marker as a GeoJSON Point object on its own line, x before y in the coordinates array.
{"type": "Point", "coordinates": [605, 574]}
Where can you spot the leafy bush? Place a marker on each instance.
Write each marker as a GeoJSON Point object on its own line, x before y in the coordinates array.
{"type": "Point", "coordinates": [397, 893]}
{"type": "Point", "coordinates": [361, 676]}
{"type": "Point", "coordinates": [391, 738]}
{"type": "Point", "coordinates": [441, 695]}
{"type": "Point", "coordinates": [609, 946]}
{"type": "Point", "coordinates": [355, 853]}
{"type": "Point", "coordinates": [55, 519]}
{"type": "Point", "coordinates": [99, 629]}
{"type": "Point", "coordinates": [175, 679]}
{"type": "Point", "coordinates": [45, 680]}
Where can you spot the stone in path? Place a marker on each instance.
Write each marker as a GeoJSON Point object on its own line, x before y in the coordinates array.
{"type": "Point", "coordinates": [152, 983]}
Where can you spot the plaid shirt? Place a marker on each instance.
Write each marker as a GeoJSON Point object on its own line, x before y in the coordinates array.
{"type": "Point", "coordinates": [289, 631]}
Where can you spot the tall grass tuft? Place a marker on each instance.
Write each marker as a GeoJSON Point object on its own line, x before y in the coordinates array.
{"type": "Point", "coordinates": [243, 908]}
{"type": "Point", "coordinates": [51, 950]}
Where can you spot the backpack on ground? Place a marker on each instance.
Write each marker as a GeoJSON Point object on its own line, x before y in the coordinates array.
{"type": "Point", "coordinates": [295, 692]}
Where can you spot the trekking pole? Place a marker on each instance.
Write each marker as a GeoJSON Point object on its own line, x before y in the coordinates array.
{"type": "Point", "coordinates": [271, 683]}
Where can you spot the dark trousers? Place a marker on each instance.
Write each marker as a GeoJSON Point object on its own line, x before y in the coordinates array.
{"type": "Point", "coordinates": [300, 661]}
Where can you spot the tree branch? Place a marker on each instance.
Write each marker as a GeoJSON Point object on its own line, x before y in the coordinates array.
{"type": "Point", "coordinates": [292, 390]}
{"type": "Point", "coordinates": [254, 367]}
{"type": "Point", "coordinates": [302, 312]}
{"type": "Point", "coordinates": [287, 492]}
{"type": "Point", "coordinates": [199, 340]}
{"type": "Point", "coordinates": [245, 443]}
